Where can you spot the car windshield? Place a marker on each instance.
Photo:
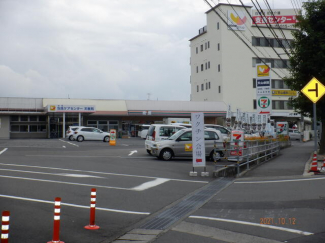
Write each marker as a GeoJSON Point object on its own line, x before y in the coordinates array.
{"type": "Point", "coordinates": [176, 135]}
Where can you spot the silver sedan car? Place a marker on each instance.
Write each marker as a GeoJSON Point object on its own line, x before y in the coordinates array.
{"type": "Point", "coordinates": [294, 134]}
{"type": "Point", "coordinates": [180, 145]}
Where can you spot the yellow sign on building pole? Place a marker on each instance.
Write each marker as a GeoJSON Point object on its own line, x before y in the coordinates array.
{"type": "Point", "coordinates": [314, 90]}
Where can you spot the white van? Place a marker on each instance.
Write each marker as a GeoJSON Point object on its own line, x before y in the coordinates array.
{"type": "Point", "coordinates": [144, 131]}
{"type": "Point", "coordinates": [158, 132]}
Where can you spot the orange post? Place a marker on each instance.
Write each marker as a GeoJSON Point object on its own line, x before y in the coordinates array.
{"type": "Point", "coordinates": [5, 227]}
{"type": "Point", "coordinates": [56, 224]}
{"type": "Point", "coordinates": [92, 225]}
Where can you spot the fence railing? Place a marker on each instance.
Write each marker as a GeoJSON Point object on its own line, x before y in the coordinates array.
{"type": "Point", "coordinates": [247, 154]}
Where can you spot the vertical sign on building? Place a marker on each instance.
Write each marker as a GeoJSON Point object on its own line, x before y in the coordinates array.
{"type": "Point", "coordinates": [263, 89]}
{"type": "Point", "coordinates": [198, 139]}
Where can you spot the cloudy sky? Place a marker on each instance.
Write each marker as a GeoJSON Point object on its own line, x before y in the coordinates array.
{"type": "Point", "coordinates": [100, 49]}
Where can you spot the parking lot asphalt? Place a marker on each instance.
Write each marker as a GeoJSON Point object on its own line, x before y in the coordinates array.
{"type": "Point", "coordinates": [276, 202]}
{"type": "Point", "coordinates": [137, 194]}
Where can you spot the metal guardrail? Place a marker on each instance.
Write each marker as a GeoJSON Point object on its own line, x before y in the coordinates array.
{"type": "Point", "coordinates": [247, 155]}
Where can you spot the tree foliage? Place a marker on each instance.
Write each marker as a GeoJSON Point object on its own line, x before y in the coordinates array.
{"type": "Point", "coordinates": [308, 58]}
{"type": "Point", "coordinates": [308, 55]}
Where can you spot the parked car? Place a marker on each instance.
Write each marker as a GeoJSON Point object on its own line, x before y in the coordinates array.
{"type": "Point", "coordinates": [144, 131]}
{"type": "Point", "coordinates": [178, 145]}
{"type": "Point", "coordinates": [224, 131]}
{"type": "Point", "coordinates": [294, 134]}
{"type": "Point", "coordinates": [70, 131]}
{"type": "Point", "coordinates": [90, 133]}
{"type": "Point", "coordinates": [158, 132]}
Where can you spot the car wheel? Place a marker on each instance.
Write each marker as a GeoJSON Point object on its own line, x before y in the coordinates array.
{"type": "Point", "coordinates": [80, 138]}
{"type": "Point", "coordinates": [106, 139]}
{"type": "Point", "coordinates": [148, 151]}
{"type": "Point", "coordinates": [215, 156]}
{"type": "Point", "coordinates": [166, 154]}
{"type": "Point", "coordinates": [70, 137]}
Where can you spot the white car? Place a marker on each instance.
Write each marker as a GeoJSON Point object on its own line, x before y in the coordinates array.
{"type": "Point", "coordinates": [70, 131]}
{"type": "Point", "coordinates": [158, 132]}
{"type": "Point", "coordinates": [294, 134]}
{"type": "Point", "coordinates": [90, 133]}
{"type": "Point", "coordinates": [224, 131]}
{"type": "Point", "coordinates": [180, 145]}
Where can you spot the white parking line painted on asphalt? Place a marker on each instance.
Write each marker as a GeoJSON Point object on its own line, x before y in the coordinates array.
{"type": "Point", "coordinates": [253, 224]}
{"type": "Point", "coordinates": [150, 184]}
{"type": "Point", "coordinates": [54, 174]}
{"type": "Point", "coordinates": [4, 150]}
{"type": "Point", "coordinates": [75, 205]}
{"type": "Point", "coordinates": [101, 173]}
{"type": "Point", "coordinates": [69, 143]}
{"type": "Point", "coordinates": [67, 183]}
{"type": "Point", "coordinates": [278, 181]}
{"type": "Point", "coordinates": [142, 187]}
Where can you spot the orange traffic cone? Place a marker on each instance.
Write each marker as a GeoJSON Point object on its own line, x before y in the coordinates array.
{"type": "Point", "coordinates": [314, 164]}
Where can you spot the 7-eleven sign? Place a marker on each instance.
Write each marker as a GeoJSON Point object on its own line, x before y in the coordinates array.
{"type": "Point", "coordinates": [264, 105]}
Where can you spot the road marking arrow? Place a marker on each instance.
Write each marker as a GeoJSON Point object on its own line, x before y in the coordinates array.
{"type": "Point", "coordinates": [132, 152]}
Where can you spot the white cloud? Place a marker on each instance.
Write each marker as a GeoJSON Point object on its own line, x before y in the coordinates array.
{"type": "Point", "coordinates": [114, 49]}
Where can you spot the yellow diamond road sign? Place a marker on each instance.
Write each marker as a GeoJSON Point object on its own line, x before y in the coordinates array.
{"type": "Point", "coordinates": [314, 90]}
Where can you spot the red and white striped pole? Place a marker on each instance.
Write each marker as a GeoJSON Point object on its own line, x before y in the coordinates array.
{"type": "Point", "coordinates": [5, 227]}
{"type": "Point", "coordinates": [56, 224]}
{"type": "Point", "coordinates": [92, 225]}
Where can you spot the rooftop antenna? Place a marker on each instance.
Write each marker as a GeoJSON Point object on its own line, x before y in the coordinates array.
{"type": "Point", "coordinates": [148, 95]}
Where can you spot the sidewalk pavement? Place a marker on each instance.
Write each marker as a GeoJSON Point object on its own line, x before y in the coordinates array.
{"type": "Point", "coordinates": [293, 162]}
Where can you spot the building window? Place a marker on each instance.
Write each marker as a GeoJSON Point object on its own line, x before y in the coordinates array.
{"type": "Point", "coordinates": [202, 87]}
{"type": "Point", "coordinates": [281, 105]}
{"type": "Point", "coordinates": [197, 50]}
{"type": "Point", "coordinates": [197, 69]}
{"type": "Point", "coordinates": [208, 44]}
{"type": "Point", "coordinates": [104, 125]}
{"type": "Point", "coordinates": [209, 64]}
{"type": "Point", "coordinates": [201, 67]}
{"type": "Point", "coordinates": [279, 84]}
{"type": "Point", "coordinates": [14, 128]}
{"type": "Point", "coordinates": [254, 83]}
{"type": "Point", "coordinates": [32, 118]}
{"type": "Point", "coordinates": [219, 89]}
{"type": "Point", "coordinates": [254, 105]}
{"type": "Point", "coordinates": [218, 67]}
{"type": "Point", "coordinates": [218, 26]}
{"type": "Point", "coordinates": [275, 63]}
{"type": "Point", "coordinates": [201, 48]}
{"type": "Point", "coordinates": [271, 42]}
{"type": "Point", "coordinates": [206, 66]}
{"type": "Point", "coordinates": [14, 118]}
{"type": "Point", "coordinates": [197, 88]}
{"type": "Point", "coordinates": [209, 85]}
{"type": "Point", "coordinates": [218, 46]}
{"type": "Point", "coordinates": [206, 86]}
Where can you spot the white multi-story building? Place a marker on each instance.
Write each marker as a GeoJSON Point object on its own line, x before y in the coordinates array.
{"type": "Point", "coordinates": [225, 52]}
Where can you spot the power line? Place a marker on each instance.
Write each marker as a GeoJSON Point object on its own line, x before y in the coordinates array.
{"type": "Point", "coordinates": [252, 35]}
{"type": "Point", "coordinates": [233, 31]}
{"type": "Point", "coordinates": [268, 6]}
{"type": "Point", "coordinates": [268, 25]}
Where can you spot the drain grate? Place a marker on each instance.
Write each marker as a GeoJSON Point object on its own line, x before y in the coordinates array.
{"type": "Point", "coordinates": [186, 206]}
